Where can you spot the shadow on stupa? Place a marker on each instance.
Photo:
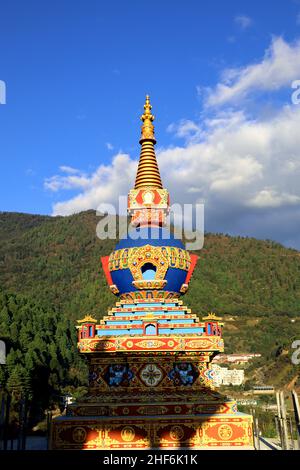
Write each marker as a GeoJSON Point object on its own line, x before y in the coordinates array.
{"type": "Point", "coordinates": [150, 400]}
{"type": "Point", "coordinates": [166, 416]}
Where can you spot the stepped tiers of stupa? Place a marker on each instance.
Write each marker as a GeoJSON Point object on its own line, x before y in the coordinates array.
{"type": "Point", "coordinates": [150, 379]}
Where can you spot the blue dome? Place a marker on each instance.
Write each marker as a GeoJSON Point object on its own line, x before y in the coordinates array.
{"type": "Point", "coordinates": [155, 236]}
{"type": "Point", "coordinates": [123, 280]}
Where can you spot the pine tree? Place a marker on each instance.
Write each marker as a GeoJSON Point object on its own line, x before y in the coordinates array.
{"type": "Point", "coordinates": [19, 382]}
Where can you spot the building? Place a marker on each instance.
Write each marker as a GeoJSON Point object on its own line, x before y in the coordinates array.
{"type": "Point", "coordinates": [150, 379]}
{"type": "Point", "coordinates": [225, 376]}
{"type": "Point", "coordinates": [263, 390]}
{"type": "Point", "coordinates": [234, 358]}
{"type": "Point", "coordinates": [247, 402]}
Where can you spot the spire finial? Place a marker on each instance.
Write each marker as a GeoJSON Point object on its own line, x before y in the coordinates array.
{"type": "Point", "coordinates": [148, 172]}
{"type": "Point", "coordinates": [148, 202]}
{"type": "Point", "coordinates": [147, 118]}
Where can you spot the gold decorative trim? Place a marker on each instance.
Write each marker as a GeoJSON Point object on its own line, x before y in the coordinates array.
{"type": "Point", "coordinates": [148, 254]}
{"type": "Point", "coordinates": [184, 288]}
{"type": "Point", "coordinates": [144, 284]}
{"type": "Point", "coordinates": [212, 316]}
{"type": "Point", "coordinates": [87, 319]}
{"type": "Point", "coordinates": [114, 289]}
{"type": "Point", "coordinates": [162, 256]}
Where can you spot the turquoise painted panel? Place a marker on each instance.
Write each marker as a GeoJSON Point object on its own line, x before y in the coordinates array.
{"type": "Point", "coordinates": [124, 322]}
{"type": "Point", "coordinates": [174, 331]}
{"type": "Point", "coordinates": [142, 314]}
{"type": "Point", "coordinates": [119, 332]}
{"type": "Point", "coordinates": [179, 320]}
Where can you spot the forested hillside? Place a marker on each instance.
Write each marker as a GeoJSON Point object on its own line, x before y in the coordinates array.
{"type": "Point", "coordinates": [56, 260]}
{"type": "Point", "coordinates": [50, 275]}
{"type": "Point", "coordinates": [42, 358]}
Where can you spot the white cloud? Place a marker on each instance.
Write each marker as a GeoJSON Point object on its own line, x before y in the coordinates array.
{"type": "Point", "coordinates": [243, 21]}
{"type": "Point", "coordinates": [69, 169]}
{"type": "Point", "coordinates": [102, 186]}
{"type": "Point", "coordinates": [247, 171]}
{"type": "Point", "coordinates": [279, 67]}
{"type": "Point", "coordinates": [186, 129]}
{"type": "Point", "coordinates": [241, 169]}
{"type": "Point", "coordinates": [271, 198]}
{"type": "Point", "coordinates": [57, 182]}
{"type": "Point", "coordinates": [109, 146]}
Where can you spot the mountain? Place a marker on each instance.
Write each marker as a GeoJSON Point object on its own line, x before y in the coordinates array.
{"type": "Point", "coordinates": [55, 261]}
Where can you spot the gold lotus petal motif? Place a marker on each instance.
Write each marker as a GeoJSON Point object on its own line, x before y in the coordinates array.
{"type": "Point", "coordinates": [128, 434]}
{"type": "Point", "coordinates": [150, 344]}
{"type": "Point", "coordinates": [201, 344]}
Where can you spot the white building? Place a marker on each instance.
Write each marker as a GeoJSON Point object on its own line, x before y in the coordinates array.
{"type": "Point", "coordinates": [225, 376]}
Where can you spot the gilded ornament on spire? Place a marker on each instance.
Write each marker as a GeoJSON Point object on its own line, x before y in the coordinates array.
{"type": "Point", "coordinates": [147, 118]}
{"type": "Point", "coordinates": [148, 172]}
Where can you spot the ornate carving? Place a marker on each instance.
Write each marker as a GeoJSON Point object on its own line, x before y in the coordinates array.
{"type": "Point", "coordinates": [142, 284]}
{"type": "Point", "coordinates": [162, 257]}
{"type": "Point", "coordinates": [118, 374]}
{"type": "Point", "coordinates": [176, 433]}
{"type": "Point", "coordinates": [128, 434]}
{"type": "Point", "coordinates": [87, 319]}
{"type": "Point", "coordinates": [183, 373]}
{"type": "Point", "coordinates": [114, 289]}
{"type": "Point", "coordinates": [79, 434]}
{"type": "Point", "coordinates": [151, 375]}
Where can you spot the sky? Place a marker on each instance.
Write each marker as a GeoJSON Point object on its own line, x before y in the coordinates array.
{"type": "Point", "coordinates": [73, 80]}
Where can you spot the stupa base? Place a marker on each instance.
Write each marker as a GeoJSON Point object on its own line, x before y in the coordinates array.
{"type": "Point", "coordinates": [205, 431]}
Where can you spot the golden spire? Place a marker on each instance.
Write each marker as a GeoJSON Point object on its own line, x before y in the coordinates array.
{"type": "Point", "coordinates": [148, 172]}
{"type": "Point", "coordinates": [147, 118]}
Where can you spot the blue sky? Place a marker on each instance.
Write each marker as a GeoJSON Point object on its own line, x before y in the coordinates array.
{"type": "Point", "coordinates": [76, 74]}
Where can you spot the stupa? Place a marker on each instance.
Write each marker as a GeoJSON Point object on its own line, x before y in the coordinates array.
{"type": "Point", "coordinates": [150, 379]}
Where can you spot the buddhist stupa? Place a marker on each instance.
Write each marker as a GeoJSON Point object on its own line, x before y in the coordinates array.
{"type": "Point", "coordinates": [150, 379]}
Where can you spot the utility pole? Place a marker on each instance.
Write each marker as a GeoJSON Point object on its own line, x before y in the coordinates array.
{"type": "Point", "coordinates": [291, 432]}
{"type": "Point", "coordinates": [257, 434]}
{"type": "Point", "coordinates": [297, 414]}
{"type": "Point", "coordinates": [279, 420]}
{"type": "Point", "coordinates": [277, 425]}
{"type": "Point", "coordinates": [284, 421]}
{"type": "Point", "coordinates": [255, 430]}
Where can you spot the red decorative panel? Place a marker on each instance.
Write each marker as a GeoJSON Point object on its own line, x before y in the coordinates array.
{"type": "Point", "coordinates": [194, 259]}
{"type": "Point", "coordinates": [104, 261]}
